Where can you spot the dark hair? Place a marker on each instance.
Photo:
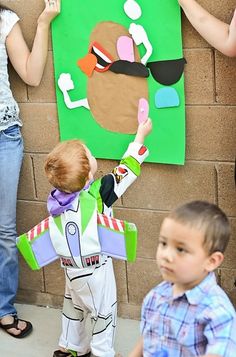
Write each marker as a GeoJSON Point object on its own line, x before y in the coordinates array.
{"type": "Point", "coordinates": [208, 218]}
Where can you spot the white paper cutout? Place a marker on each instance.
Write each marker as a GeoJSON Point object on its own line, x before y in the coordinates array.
{"type": "Point", "coordinates": [65, 83]}
{"type": "Point", "coordinates": [132, 9]}
{"type": "Point", "coordinates": [140, 37]}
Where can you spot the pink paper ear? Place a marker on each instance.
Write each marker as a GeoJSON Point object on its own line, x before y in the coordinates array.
{"type": "Point", "coordinates": [143, 110]}
{"type": "Point", "coordinates": [125, 48]}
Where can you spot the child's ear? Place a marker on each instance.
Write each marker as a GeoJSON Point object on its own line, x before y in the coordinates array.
{"type": "Point", "coordinates": [214, 261]}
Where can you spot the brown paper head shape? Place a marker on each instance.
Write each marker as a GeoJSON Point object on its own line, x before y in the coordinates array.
{"type": "Point", "coordinates": [113, 98]}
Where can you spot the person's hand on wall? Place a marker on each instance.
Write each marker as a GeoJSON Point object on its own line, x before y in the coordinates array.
{"type": "Point", "coordinates": [52, 9]}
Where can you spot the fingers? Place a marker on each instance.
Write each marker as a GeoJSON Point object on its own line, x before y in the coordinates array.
{"type": "Point", "coordinates": [53, 4]}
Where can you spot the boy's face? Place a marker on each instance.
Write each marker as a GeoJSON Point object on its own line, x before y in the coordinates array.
{"type": "Point", "coordinates": [181, 257]}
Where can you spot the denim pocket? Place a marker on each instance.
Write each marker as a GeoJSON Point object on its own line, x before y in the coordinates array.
{"type": "Point", "coordinates": [13, 132]}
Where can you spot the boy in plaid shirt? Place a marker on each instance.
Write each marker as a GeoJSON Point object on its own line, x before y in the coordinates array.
{"type": "Point", "coordinates": [189, 314]}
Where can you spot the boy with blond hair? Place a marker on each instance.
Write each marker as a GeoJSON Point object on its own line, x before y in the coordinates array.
{"type": "Point", "coordinates": [189, 314]}
{"type": "Point", "coordinates": [90, 283]}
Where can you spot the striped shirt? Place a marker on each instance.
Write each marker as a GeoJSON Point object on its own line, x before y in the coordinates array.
{"type": "Point", "coordinates": [200, 321]}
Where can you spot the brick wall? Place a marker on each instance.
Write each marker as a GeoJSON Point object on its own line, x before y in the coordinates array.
{"type": "Point", "coordinates": [207, 174]}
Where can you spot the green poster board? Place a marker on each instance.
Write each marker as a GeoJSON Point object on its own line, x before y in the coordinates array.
{"type": "Point", "coordinates": [71, 37]}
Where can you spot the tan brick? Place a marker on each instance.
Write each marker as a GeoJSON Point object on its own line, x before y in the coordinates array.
{"type": "Point", "coordinates": [129, 311]}
{"type": "Point", "coordinates": [225, 79]}
{"type": "Point", "coordinates": [163, 187]}
{"type": "Point", "coordinates": [191, 38]}
{"type": "Point", "coordinates": [220, 9]}
{"type": "Point", "coordinates": [143, 275]}
{"type": "Point", "coordinates": [45, 92]}
{"type": "Point", "coordinates": [121, 280]}
{"type": "Point", "coordinates": [29, 214]}
{"type": "Point", "coordinates": [29, 279]}
{"type": "Point", "coordinates": [18, 87]}
{"type": "Point", "coordinates": [226, 188]}
{"type": "Point", "coordinates": [148, 224]}
{"type": "Point", "coordinates": [199, 76]}
{"type": "Point", "coordinates": [230, 254]}
{"type": "Point", "coordinates": [39, 298]}
{"type": "Point", "coordinates": [211, 133]}
{"type": "Point", "coordinates": [41, 183]}
{"type": "Point", "coordinates": [40, 129]}
{"type": "Point", "coordinates": [26, 185]}
{"type": "Point", "coordinates": [54, 279]}
{"type": "Point", "coordinates": [228, 283]}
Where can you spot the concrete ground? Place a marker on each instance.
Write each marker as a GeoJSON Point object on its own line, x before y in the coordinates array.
{"type": "Point", "coordinates": [47, 324]}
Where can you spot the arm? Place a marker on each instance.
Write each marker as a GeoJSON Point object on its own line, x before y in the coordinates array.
{"type": "Point", "coordinates": [112, 186]}
{"type": "Point", "coordinates": [30, 65]}
{"type": "Point", "coordinates": [65, 83]}
{"type": "Point", "coordinates": [144, 129]}
{"type": "Point", "coordinates": [219, 34]}
{"type": "Point", "coordinates": [138, 349]}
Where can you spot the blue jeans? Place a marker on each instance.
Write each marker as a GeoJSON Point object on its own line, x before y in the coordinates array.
{"type": "Point", "coordinates": [11, 155]}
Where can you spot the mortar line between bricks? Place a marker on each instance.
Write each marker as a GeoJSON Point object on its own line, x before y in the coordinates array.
{"type": "Point", "coordinates": [34, 178]}
{"type": "Point", "coordinates": [216, 184]}
{"type": "Point", "coordinates": [214, 74]}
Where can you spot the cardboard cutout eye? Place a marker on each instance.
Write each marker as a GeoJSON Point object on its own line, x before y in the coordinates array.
{"type": "Point", "coordinates": [104, 59]}
{"type": "Point", "coordinates": [167, 72]}
{"type": "Point", "coordinates": [132, 9]}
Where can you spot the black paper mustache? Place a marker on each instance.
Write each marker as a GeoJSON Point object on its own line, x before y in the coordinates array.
{"type": "Point", "coordinates": [165, 72]}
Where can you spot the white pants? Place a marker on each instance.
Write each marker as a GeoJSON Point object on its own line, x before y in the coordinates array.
{"type": "Point", "coordinates": [90, 293]}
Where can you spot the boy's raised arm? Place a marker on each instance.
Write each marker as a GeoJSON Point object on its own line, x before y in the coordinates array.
{"type": "Point", "coordinates": [144, 129]}
{"type": "Point", "coordinates": [114, 184]}
{"type": "Point", "coordinates": [217, 33]}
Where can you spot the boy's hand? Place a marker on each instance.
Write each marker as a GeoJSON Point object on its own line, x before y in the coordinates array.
{"type": "Point", "coordinates": [144, 129]}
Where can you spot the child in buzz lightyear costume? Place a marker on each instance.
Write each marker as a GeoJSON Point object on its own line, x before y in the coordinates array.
{"type": "Point", "coordinates": [70, 168]}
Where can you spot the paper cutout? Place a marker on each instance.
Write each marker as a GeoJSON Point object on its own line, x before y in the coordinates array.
{"type": "Point", "coordinates": [125, 48]}
{"type": "Point", "coordinates": [71, 35]}
{"type": "Point", "coordinates": [167, 72]}
{"type": "Point", "coordinates": [166, 98]}
{"type": "Point", "coordinates": [129, 68]}
{"type": "Point", "coordinates": [65, 83]}
{"type": "Point", "coordinates": [104, 59]}
{"type": "Point", "coordinates": [87, 64]}
{"type": "Point", "coordinates": [117, 239]}
{"type": "Point", "coordinates": [113, 98]}
{"type": "Point", "coordinates": [143, 110]}
{"type": "Point", "coordinates": [132, 9]}
{"type": "Point", "coordinates": [140, 37]}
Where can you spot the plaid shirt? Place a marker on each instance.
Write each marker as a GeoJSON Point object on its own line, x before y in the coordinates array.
{"type": "Point", "coordinates": [200, 321]}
